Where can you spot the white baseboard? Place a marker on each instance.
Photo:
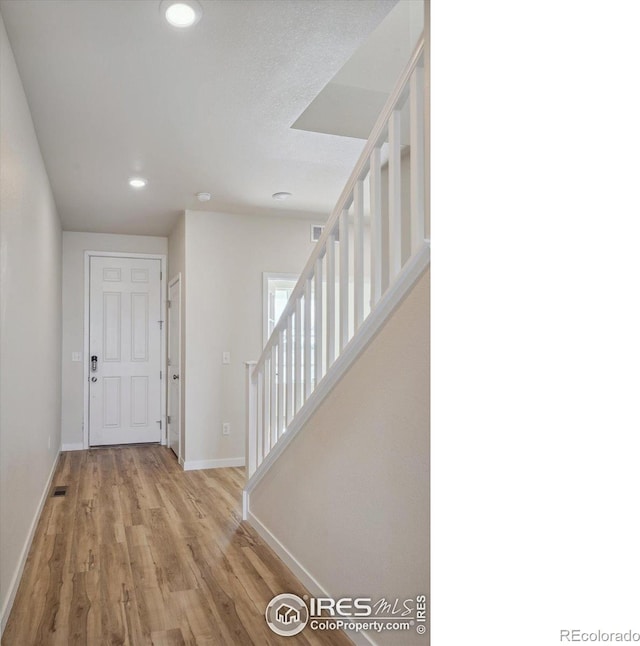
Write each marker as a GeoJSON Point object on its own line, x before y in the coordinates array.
{"type": "Point", "coordinates": [193, 465]}
{"type": "Point", "coordinates": [300, 572]}
{"type": "Point", "coordinates": [73, 446]}
{"type": "Point", "coordinates": [17, 575]}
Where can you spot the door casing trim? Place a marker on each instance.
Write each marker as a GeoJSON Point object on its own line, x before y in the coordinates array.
{"type": "Point", "coordinates": [163, 350]}
{"type": "Point", "coordinates": [177, 279]}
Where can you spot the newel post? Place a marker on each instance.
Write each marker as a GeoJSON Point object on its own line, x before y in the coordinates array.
{"type": "Point", "coordinates": [251, 389]}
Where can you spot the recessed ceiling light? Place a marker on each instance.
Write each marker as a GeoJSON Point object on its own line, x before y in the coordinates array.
{"type": "Point", "coordinates": [283, 195]}
{"type": "Point", "coordinates": [137, 182]}
{"type": "Point", "coordinates": [181, 13]}
{"type": "Point", "coordinates": [203, 197]}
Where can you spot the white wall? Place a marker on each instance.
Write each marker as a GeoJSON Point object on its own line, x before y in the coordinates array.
{"type": "Point", "coordinates": [225, 258]}
{"type": "Point", "coordinates": [30, 322]}
{"type": "Point", "coordinates": [73, 247]}
{"type": "Point", "coordinates": [349, 496]}
{"type": "Point", "coordinates": [176, 265]}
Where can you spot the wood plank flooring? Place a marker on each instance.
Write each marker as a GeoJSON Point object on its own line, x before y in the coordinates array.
{"type": "Point", "coordinates": [140, 552]}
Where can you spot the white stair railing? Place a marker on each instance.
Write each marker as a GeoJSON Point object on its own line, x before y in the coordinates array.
{"type": "Point", "coordinates": [329, 302]}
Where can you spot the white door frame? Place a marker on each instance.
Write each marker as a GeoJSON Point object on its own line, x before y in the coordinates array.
{"type": "Point", "coordinates": [177, 279]}
{"type": "Point", "coordinates": [163, 352]}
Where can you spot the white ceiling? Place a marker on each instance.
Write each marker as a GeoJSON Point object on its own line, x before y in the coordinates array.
{"type": "Point", "coordinates": [115, 91]}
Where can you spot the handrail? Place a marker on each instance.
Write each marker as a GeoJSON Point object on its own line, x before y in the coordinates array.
{"type": "Point", "coordinates": [281, 383]}
{"type": "Point", "coordinates": [346, 197]}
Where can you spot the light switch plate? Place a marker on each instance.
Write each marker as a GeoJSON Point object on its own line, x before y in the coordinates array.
{"type": "Point", "coordinates": [226, 358]}
{"type": "Point", "coordinates": [226, 428]}
{"type": "Point", "coordinates": [76, 356]}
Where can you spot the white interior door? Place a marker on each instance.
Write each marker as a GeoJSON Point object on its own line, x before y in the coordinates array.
{"type": "Point", "coordinates": [125, 338]}
{"type": "Point", "coordinates": [173, 367]}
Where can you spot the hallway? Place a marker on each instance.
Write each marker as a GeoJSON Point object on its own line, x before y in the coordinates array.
{"type": "Point", "coordinates": [140, 552]}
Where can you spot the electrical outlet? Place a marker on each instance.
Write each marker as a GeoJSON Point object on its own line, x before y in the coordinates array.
{"type": "Point", "coordinates": [226, 428]}
{"type": "Point", "coordinates": [76, 356]}
{"type": "Point", "coordinates": [226, 358]}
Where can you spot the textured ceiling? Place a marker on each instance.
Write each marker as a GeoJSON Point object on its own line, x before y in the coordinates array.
{"type": "Point", "coordinates": [114, 91]}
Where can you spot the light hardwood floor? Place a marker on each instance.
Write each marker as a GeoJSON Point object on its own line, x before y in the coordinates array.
{"type": "Point", "coordinates": [140, 552]}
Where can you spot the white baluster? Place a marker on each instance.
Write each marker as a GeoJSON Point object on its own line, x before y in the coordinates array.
{"type": "Point", "coordinates": [273, 428]}
{"type": "Point", "coordinates": [261, 424]}
{"type": "Point", "coordinates": [307, 338]}
{"type": "Point", "coordinates": [266, 435]}
{"type": "Point", "coordinates": [358, 255]}
{"type": "Point", "coordinates": [317, 338]}
{"type": "Point", "coordinates": [251, 418]}
{"type": "Point", "coordinates": [281, 388]}
{"type": "Point", "coordinates": [298, 355]}
{"type": "Point", "coordinates": [395, 196]}
{"type": "Point", "coordinates": [416, 120]}
{"type": "Point", "coordinates": [344, 278]}
{"type": "Point", "coordinates": [289, 375]}
{"type": "Point", "coordinates": [375, 186]}
{"type": "Point", "coordinates": [331, 299]}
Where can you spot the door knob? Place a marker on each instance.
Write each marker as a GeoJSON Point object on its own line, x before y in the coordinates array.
{"type": "Point", "coordinates": [176, 377]}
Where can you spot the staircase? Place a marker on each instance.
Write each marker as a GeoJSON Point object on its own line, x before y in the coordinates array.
{"type": "Point", "coordinates": [372, 251]}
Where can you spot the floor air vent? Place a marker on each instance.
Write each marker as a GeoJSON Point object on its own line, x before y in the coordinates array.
{"type": "Point", "coordinates": [59, 491]}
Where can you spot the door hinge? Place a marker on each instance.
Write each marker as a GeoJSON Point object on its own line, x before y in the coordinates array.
{"type": "Point", "coordinates": [168, 361]}
{"type": "Point", "coordinates": [168, 419]}
{"type": "Point", "coordinates": [161, 375]}
{"type": "Point", "coordinates": [168, 305]}
{"type": "Point", "coordinates": [161, 322]}
{"type": "Point", "coordinates": [160, 422]}
{"type": "Point", "coordinates": [160, 275]}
